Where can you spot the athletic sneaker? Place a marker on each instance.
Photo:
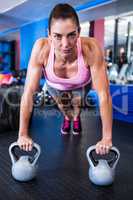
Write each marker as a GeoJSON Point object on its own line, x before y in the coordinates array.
{"type": "Point", "coordinates": [76, 126]}
{"type": "Point", "coordinates": [66, 126]}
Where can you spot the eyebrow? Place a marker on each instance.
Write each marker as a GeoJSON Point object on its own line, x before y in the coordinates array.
{"type": "Point", "coordinates": [73, 32]}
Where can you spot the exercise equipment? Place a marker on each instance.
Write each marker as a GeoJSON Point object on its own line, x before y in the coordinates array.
{"type": "Point", "coordinates": [125, 76]}
{"type": "Point", "coordinates": [122, 76]}
{"type": "Point", "coordinates": [24, 168]}
{"type": "Point", "coordinates": [130, 74]}
{"type": "Point", "coordinates": [10, 107]}
{"type": "Point", "coordinates": [92, 99]}
{"type": "Point", "coordinates": [102, 171]}
{"type": "Point", "coordinates": [41, 99]}
{"type": "Point", "coordinates": [113, 73]}
{"type": "Point", "coordinates": [38, 99]}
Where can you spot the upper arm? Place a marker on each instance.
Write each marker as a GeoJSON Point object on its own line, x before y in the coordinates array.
{"type": "Point", "coordinates": [98, 71]}
{"type": "Point", "coordinates": [34, 70]}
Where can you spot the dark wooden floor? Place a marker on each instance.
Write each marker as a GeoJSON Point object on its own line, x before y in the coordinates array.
{"type": "Point", "coordinates": [63, 167]}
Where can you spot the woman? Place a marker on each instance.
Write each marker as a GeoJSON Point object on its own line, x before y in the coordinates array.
{"type": "Point", "coordinates": [69, 63]}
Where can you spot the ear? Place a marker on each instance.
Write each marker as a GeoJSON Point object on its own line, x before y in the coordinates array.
{"type": "Point", "coordinates": [79, 30]}
{"type": "Point", "coordinates": [48, 32]}
{"type": "Point", "coordinates": [49, 35]}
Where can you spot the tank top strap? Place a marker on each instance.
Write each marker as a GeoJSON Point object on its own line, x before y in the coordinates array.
{"type": "Point", "coordinates": [51, 56]}
{"type": "Point", "coordinates": [81, 63]}
{"type": "Point", "coordinates": [79, 47]}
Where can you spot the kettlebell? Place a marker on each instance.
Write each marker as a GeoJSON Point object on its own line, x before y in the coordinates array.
{"type": "Point", "coordinates": [38, 99]}
{"type": "Point", "coordinates": [24, 168]}
{"type": "Point", "coordinates": [102, 172]}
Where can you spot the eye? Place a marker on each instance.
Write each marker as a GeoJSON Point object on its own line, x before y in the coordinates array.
{"type": "Point", "coordinates": [72, 35]}
{"type": "Point", "coordinates": [58, 37]}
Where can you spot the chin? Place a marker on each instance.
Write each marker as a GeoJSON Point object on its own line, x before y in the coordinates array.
{"type": "Point", "coordinates": [65, 55]}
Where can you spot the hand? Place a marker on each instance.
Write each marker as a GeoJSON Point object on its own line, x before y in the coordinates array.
{"type": "Point", "coordinates": [103, 146]}
{"type": "Point", "coordinates": [25, 143]}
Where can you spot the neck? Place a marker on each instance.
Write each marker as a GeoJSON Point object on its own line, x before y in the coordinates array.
{"type": "Point", "coordinates": [66, 59]}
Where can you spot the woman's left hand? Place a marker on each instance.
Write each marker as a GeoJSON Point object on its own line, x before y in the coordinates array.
{"type": "Point", "coordinates": [103, 146]}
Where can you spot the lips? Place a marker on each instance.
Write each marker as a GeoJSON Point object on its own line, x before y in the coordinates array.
{"type": "Point", "coordinates": [67, 51]}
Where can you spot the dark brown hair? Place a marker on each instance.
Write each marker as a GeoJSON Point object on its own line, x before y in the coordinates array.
{"type": "Point", "coordinates": [63, 11]}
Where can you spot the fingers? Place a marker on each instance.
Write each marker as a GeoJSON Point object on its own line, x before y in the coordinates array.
{"type": "Point", "coordinates": [103, 149]}
{"type": "Point", "coordinates": [25, 144]}
{"type": "Point", "coordinates": [26, 147]}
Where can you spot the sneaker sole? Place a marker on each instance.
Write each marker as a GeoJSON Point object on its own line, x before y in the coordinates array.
{"type": "Point", "coordinates": [76, 133]}
{"type": "Point", "coordinates": [64, 133]}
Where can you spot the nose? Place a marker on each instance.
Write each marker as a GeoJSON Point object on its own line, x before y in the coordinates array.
{"type": "Point", "coordinates": [65, 43]}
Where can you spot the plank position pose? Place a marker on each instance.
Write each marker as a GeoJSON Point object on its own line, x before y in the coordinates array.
{"type": "Point", "coordinates": [70, 63]}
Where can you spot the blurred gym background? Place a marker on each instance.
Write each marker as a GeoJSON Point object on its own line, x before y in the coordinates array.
{"type": "Point", "coordinates": [110, 21]}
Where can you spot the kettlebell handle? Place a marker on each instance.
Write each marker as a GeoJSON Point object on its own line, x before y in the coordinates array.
{"type": "Point", "coordinates": [93, 147]}
{"type": "Point", "coordinates": [13, 159]}
{"type": "Point", "coordinates": [118, 156]}
{"type": "Point", "coordinates": [89, 150]}
{"type": "Point", "coordinates": [15, 144]}
{"type": "Point", "coordinates": [38, 148]}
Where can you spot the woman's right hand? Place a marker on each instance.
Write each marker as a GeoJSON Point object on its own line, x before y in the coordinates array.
{"type": "Point", "coordinates": [25, 143]}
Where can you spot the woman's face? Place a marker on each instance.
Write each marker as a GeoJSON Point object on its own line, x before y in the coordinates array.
{"type": "Point", "coordinates": [64, 35]}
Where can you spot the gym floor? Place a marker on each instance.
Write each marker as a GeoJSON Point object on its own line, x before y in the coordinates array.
{"type": "Point", "coordinates": [63, 167]}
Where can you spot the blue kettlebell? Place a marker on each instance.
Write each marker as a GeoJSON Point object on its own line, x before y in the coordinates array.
{"type": "Point", "coordinates": [24, 168]}
{"type": "Point", "coordinates": [102, 172]}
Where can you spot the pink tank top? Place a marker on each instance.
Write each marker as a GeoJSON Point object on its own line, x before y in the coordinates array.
{"type": "Point", "coordinates": [82, 78]}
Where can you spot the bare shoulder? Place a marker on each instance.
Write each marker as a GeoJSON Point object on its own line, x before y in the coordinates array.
{"type": "Point", "coordinates": [41, 42]}
{"type": "Point", "coordinates": [90, 42]}
{"type": "Point", "coordinates": [41, 50]}
{"type": "Point", "coordinates": [91, 50]}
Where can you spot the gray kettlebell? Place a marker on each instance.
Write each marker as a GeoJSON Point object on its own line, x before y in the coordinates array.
{"type": "Point", "coordinates": [102, 172]}
{"type": "Point", "coordinates": [25, 167]}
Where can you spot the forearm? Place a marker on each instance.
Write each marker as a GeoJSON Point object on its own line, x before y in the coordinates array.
{"type": "Point", "coordinates": [25, 113]}
{"type": "Point", "coordinates": [106, 117]}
